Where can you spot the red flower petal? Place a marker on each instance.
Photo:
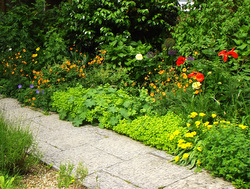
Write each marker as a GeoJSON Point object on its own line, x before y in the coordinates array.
{"type": "Point", "coordinates": [222, 53]}
{"type": "Point", "coordinates": [225, 57]}
{"type": "Point", "coordinates": [197, 75]}
{"type": "Point", "coordinates": [233, 54]}
{"type": "Point", "coordinates": [200, 77]}
{"type": "Point", "coordinates": [194, 73]}
{"type": "Point", "coordinates": [180, 60]}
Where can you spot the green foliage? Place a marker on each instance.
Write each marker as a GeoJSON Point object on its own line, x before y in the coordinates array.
{"type": "Point", "coordinates": [66, 176]}
{"type": "Point", "coordinates": [21, 26]}
{"type": "Point", "coordinates": [106, 105]}
{"type": "Point", "coordinates": [225, 152]}
{"type": "Point", "coordinates": [93, 22]}
{"type": "Point", "coordinates": [213, 26]}
{"type": "Point", "coordinates": [14, 144]}
{"type": "Point", "coordinates": [162, 132]}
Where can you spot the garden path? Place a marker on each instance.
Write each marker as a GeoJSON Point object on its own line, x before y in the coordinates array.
{"type": "Point", "coordinates": [113, 161]}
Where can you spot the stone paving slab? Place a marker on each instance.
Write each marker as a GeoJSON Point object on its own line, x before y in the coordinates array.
{"type": "Point", "coordinates": [93, 158]}
{"type": "Point", "coordinates": [122, 147]}
{"type": "Point", "coordinates": [148, 171]}
{"type": "Point", "coordinates": [201, 180]}
{"type": "Point", "coordinates": [104, 180]}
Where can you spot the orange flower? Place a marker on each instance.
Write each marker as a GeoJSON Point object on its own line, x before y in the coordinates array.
{"type": "Point", "coordinates": [196, 92]}
{"type": "Point", "coordinates": [24, 50]}
{"type": "Point", "coordinates": [152, 94]}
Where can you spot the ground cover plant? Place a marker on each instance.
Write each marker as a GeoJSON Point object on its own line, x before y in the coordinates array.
{"type": "Point", "coordinates": [184, 85]}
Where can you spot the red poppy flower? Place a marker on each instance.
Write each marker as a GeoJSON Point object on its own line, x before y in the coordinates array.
{"type": "Point", "coordinates": [197, 75]}
{"type": "Point", "coordinates": [225, 54]}
{"type": "Point", "coordinates": [180, 60]}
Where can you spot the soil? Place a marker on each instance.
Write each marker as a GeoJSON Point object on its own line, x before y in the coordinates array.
{"type": "Point", "coordinates": [43, 177]}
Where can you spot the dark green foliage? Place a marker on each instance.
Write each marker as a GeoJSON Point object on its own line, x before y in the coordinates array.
{"type": "Point", "coordinates": [92, 22]}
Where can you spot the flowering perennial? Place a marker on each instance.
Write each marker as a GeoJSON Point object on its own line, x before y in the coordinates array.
{"type": "Point", "coordinates": [225, 54]}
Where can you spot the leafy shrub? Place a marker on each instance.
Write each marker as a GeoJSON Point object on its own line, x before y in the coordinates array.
{"type": "Point", "coordinates": [225, 152]}
{"type": "Point", "coordinates": [93, 22]}
{"type": "Point", "coordinates": [213, 26]}
{"type": "Point", "coordinates": [105, 105]}
{"type": "Point", "coordinates": [21, 25]}
{"type": "Point", "coordinates": [162, 132]}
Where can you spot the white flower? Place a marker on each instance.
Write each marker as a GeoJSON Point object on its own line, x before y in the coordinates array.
{"type": "Point", "coordinates": [196, 85]}
{"type": "Point", "coordinates": [10, 49]}
{"type": "Point", "coordinates": [139, 57]}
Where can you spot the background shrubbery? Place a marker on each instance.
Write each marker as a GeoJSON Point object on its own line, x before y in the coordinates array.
{"type": "Point", "coordinates": [82, 63]}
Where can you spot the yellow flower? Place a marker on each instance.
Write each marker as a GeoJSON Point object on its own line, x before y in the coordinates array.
{"type": "Point", "coordinates": [199, 149]}
{"type": "Point", "coordinates": [198, 162]}
{"type": "Point", "coordinates": [163, 93]}
{"type": "Point", "coordinates": [176, 133]}
{"type": "Point", "coordinates": [206, 124]}
{"type": "Point", "coordinates": [242, 126]}
{"type": "Point", "coordinates": [195, 52]}
{"type": "Point", "coordinates": [189, 144]}
{"type": "Point", "coordinates": [38, 48]}
{"type": "Point", "coordinates": [202, 114]}
{"type": "Point", "coordinates": [188, 124]}
{"type": "Point", "coordinates": [181, 141]}
{"type": "Point", "coordinates": [177, 158]}
{"type": "Point", "coordinates": [197, 123]}
{"type": "Point", "coordinates": [139, 57]}
{"type": "Point", "coordinates": [184, 69]}
{"type": "Point", "coordinates": [216, 123]}
{"type": "Point", "coordinates": [214, 115]}
{"type": "Point", "coordinates": [185, 156]}
{"type": "Point", "coordinates": [189, 135]}
{"type": "Point", "coordinates": [194, 133]}
{"type": "Point", "coordinates": [193, 115]}
{"type": "Point", "coordinates": [34, 55]}
{"type": "Point", "coordinates": [209, 126]}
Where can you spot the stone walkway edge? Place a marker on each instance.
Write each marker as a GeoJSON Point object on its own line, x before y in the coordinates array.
{"type": "Point", "coordinates": [114, 161]}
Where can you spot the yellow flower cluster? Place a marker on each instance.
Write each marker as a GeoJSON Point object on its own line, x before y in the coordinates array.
{"type": "Point", "coordinates": [190, 135]}
{"type": "Point", "coordinates": [183, 145]}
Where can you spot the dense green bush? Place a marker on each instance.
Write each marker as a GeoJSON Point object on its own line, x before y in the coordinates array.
{"type": "Point", "coordinates": [213, 26]}
{"type": "Point", "coordinates": [225, 152]}
{"type": "Point", "coordinates": [92, 22]}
